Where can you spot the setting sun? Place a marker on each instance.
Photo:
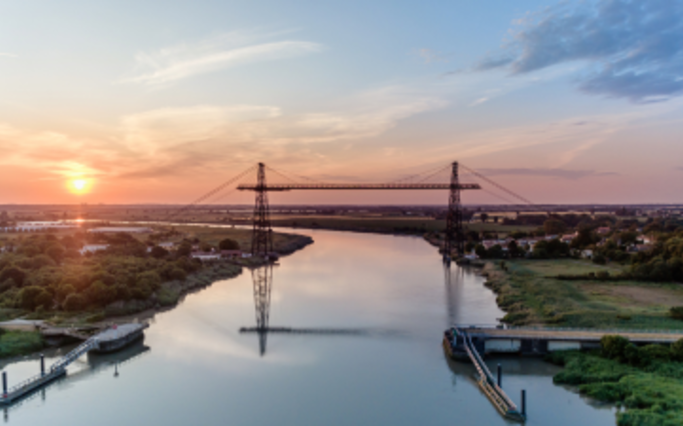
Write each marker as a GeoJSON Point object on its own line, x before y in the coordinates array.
{"type": "Point", "coordinates": [79, 186]}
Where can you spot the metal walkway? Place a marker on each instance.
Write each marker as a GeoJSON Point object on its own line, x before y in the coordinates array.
{"type": "Point", "coordinates": [56, 370]}
{"type": "Point", "coordinates": [486, 380]}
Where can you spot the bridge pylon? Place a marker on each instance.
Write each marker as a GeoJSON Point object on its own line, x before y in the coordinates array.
{"type": "Point", "coordinates": [262, 235]}
{"type": "Point", "coordinates": [455, 236]}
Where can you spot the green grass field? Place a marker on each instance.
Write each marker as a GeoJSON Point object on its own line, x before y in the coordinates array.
{"type": "Point", "coordinates": [530, 295]}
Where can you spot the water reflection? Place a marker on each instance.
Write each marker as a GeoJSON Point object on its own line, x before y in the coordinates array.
{"type": "Point", "coordinates": [262, 280]}
{"type": "Point", "coordinates": [83, 369]}
{"type": "Point", "coordinates": [203, 371]}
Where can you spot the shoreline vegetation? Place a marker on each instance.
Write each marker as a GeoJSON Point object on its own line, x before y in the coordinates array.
{"type": "Point", "coordinates": [645, 383]}
{"type": "Point", "coordinates": [43, 277]}
{"type": "Point", "coordinates": [537, 292]}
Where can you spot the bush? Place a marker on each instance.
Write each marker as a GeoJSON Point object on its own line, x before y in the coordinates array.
{"type": "Point", "coordinates": [228, 244]}
{"type": "Point", "coordinates": [599, 259]}
{"type": "Point", "coordinates": [15, 273]}
{"type": "Point", "coordinates": [676, 312]}
{"type": "Point", "coordinates": [602, 275]}
{"type": "Point", "coordinates": [149, 279]}
{"type": "Point", "coordinates": [13, 343]}
{"type": "Point", "coordinates": [159, 252]}
{"type": "Point", "coordinates": [74, 302]}
{"type": "Point", "coordinates": [677, 350]}
{"type": "Point", "coordinates": [613, 347]}
{"type": "Point", "coordinates": [28, 296]}
{"type": "Point", "coordinates": [43, 300]}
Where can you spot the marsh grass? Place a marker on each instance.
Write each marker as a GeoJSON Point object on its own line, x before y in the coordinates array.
{"type": "Point", "coordinates": [15, 343]}
{"type": "Point", "coordinates": [530, 295]}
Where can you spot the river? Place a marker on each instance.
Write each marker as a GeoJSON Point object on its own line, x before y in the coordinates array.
{"type": "Point", "coordinates": [195, 367]}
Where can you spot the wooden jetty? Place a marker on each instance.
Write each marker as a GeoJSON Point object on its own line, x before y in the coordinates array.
{"type": "Point", "coordinates": [458, 341]}
{"type": "Point", "coordinates": [113, 338]}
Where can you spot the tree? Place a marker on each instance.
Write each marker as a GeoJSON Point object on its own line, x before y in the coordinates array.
{"type": "Point", "coordinates": [554, 227]}
{"type": "Point", "coordinates": [184, 249]}
{"type": "Point", "coordinates": [677, 350]}
{"type": "Point", "coordinates": [495, 252]}
{"type": "Point", "coordinates": [483, 217]}
{"type": "Point", "coordinates": [159, 252]}
{"type": "Point", "coordinates": [44, 300]}
{"type": "Point", "coordinates": [513, 249]}
{"type": "Point", "coordinates": [585, 238]}
{"type": "Point", "coordinates": [27, 297]}
{"type": "Point", "coordinates": [74, 302]}
{"type": "Point", "coordinates": [56, 252]}
{"type": "Point", "coordinates": [613, 347]}
{"type": "Point", "coordinates": [150, 280]}
{"type": "Point", "coordinates": [228, 244]}
{"type": "Point", "coordinates": [15, 273]}
{"type": "Point", "coordinates": [63, 291]}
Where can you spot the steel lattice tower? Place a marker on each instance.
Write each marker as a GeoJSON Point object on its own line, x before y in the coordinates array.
{"type": "Point", "coordinates": [262, 278]}
{"type": "Point", "coordinates": [262, 236]}
{"type": "Point", "coordinates": [455, 237]}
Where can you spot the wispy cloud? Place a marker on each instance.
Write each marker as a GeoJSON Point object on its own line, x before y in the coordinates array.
{"type": "Point", "coordinates": [170, 64]}
{"type": "Point", "coordinates": [631, 49]}
{"type": "Point", "coordinates": [430, 56]}
{"type": "Point", "coordinates": [203, 139]}
{"type": "Point", "coordinates": [556, 173]}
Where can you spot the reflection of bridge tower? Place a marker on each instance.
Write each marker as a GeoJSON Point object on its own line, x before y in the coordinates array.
{"type": "Point", "coordinates": [263, 279]}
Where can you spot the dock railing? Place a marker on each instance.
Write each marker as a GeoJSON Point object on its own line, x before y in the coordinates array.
{"type": "Point", "coordinates": [487, 382]}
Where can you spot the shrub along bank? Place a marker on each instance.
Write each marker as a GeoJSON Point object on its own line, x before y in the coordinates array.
{"type": "Point", "coordinates": [15, 343]}
{"type": "Point", "coordinates": [647, 381]}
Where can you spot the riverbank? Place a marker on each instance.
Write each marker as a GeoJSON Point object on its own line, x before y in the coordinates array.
{"type": "Point", "coordinates": [531, 293]}
{"type": "Point", "coordinates": [646, 383]}
{"type": "Point", "coordinates": [647, 393]}
{"type": "Point", "coordinates": [143, 280]}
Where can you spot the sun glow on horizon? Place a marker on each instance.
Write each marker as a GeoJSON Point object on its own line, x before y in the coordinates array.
{"type": "Point", "coordinates": [79, 186]}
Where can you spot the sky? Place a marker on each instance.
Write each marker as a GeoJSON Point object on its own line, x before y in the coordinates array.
{"type": "Point", "coordinates": [160, 101]}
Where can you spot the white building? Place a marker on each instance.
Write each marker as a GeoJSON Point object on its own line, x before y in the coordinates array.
{"type": "Point", "coordinates": [118, 229]}
{"type": "Point", "coordinates": [39, 226]}
{"type": "Point", "coordinates": [205, 256]}
{"type": "Point", "coordinates": [92, 248]}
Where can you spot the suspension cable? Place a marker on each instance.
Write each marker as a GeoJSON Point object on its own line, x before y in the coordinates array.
{"type": "Point", "coordinates": [209, 194]}
{"type": "Point", "coordinates": [501, 187]}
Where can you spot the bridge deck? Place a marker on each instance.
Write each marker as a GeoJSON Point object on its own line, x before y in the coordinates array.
{"type": "Point", "coordinates": [568, 334]}
{"type": "Point", "coordinates": [353, 186]}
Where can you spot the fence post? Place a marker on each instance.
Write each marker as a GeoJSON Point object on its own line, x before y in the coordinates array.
{"type": "Point", "coordinates": [500, 376]}
{"type": "Point", "coordinates": [42, 364]}
{"type": "Point", "coordinates": [524, 402]}
{"type": "Point", "coordinates": [4, 384]}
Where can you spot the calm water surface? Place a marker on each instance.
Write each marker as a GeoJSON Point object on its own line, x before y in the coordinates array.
{"type": "Point", "coordinates": [195, 368]}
